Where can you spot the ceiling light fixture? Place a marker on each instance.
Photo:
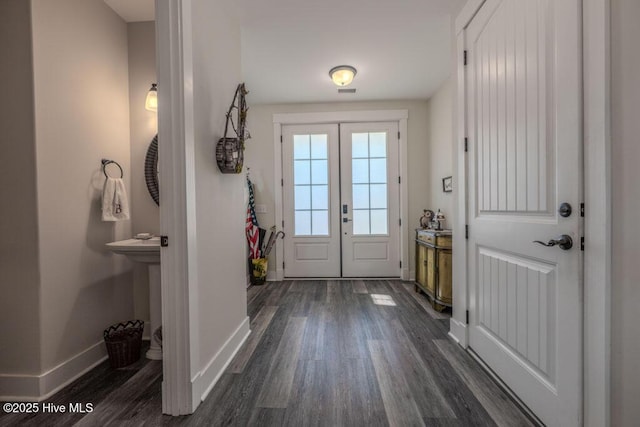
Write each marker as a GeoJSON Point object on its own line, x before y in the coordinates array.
{"type": "Point", "coordinates": [151, 103]}
{"type": "Point", "coordinates": [342, 75]}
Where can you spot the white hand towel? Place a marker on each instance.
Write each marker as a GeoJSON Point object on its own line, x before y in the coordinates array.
{"type": "Point", "coordinates": [115, 205]}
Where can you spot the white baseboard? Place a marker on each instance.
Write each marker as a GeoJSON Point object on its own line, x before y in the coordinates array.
{"type": "Point", "coordinates": [412, 275]}
{"type": "Point", "coordinates": [272, 276]}
{"type": "Point", "coordinates": [458, 332]}
{"type": "Point", "coordinates": [36, 388]}
{"type": "Point", "coordinates": [208, 377]}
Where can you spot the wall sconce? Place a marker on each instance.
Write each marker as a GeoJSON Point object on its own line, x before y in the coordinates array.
{"type": "Point", "coordinates": [151, 103]}
{"type": "Point", "coordinates": [342, 75]}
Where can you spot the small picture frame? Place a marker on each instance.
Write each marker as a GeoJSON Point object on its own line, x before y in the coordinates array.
{"type": "Point", "coordinates": [447, 184]}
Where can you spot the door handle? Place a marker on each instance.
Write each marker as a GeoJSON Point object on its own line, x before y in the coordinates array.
{"type": "Point", "coordinates": [346, 219]}
{"type": "Point", "coordinates": [564, 241]}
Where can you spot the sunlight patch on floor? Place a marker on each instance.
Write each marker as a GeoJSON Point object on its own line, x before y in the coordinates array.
{"type": "Point", "coordinates": [381, 299]}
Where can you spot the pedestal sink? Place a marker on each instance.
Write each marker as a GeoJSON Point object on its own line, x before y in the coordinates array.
{"type": "Point", "coordinates": [146, 252]}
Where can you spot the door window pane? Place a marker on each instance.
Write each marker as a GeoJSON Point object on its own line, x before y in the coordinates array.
{"type": "Point", "coordinates": [361, 222]}
{"type": "Point", "coordinates": [311, 185]}
{"type": "Point", "coordinates": [360, 196]}
{"type": "Point", "coordinates": [301, 172]}
{"type": "Point", "coordinates": [301, 147]}
{"type": "Point", "coordinates": [378, 144]}
{"type": "Point", "coordinates": [369, 183]}
{"type": "Point", "coordinates": [319, 146]}
{"type": "Point", "coordinates": [319, 172]}
{"type": "Point", "coordinates": [378, 172]}
{"type": "Point", "coordinates": [359, 145]}
{"type": "Point", "coordinates": [379, 221]}
{"type": "Point", "coordinates": [360, 171]}
{"type": "Point", "coordinates": [303, 223]}
{"type": "Point", "coordinates": [320, 223]}
{"type": "Point", "coordinates": [319, 197]}
{"type": "Point", "coordinates": [302, 197]}
{"type": "Point", "coordinates": [378, 194]}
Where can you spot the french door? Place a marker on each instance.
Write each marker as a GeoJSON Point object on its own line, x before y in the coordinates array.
{"type": "Point", "coordinates": [341, 200]}
{"type": "Point", "coordinates": [523, 89]}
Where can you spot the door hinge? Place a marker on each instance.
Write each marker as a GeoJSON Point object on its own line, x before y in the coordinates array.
{"type": "Point", "coordinates": [400, 264]}
{"type": "Point", "coordinates": [399, 180]}
{"type": "Point", "coordinates": [582, 243]}
{"type": "Point", "coordinates": [466, 231]}
{"type": "Point", "coordinates": [280, 139]}
{"type": "Point", "coordinates": [400, 222]}
{"type": "Point", "coordinates": [282, 182]}
{"type": "Point", "coordinates": [582, 209]}
{"type": "Point", "coordinates": [283, 223]}
{"type": "Point", "coordinates": [464, 57]}
{"type": "Point", "coordinates": [466, 144]}
{"type": "Point", "coordinates": [282, 264]}
{"type": "Point", "coordinates": [164, 241]}
{"type": "Point", "coordinates": [398, 135]}
{"type": "Point", "coordinates": [467, 315]}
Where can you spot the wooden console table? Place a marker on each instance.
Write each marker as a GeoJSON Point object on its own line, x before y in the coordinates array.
{"type": "Point", "coordinates": [433, 266]}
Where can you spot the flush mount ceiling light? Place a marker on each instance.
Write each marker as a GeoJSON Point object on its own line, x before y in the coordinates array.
{"type": "Point", "coordinates": [342, 75]}
{"type": "Point", "coordinates": [151, 103]}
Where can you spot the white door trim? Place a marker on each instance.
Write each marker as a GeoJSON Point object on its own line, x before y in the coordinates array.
{"type": "Point", "coordinates": [597, 184]}
{"type": "Point", "coordinates": [400, 116]}
{"type": "Point", "coordinates": [177, 209]}
{"type": "Point", "coordinates": [597, 189]}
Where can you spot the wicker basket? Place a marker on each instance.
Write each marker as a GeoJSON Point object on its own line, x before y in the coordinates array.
{"type": "Point", "coordinates": [124, 342]}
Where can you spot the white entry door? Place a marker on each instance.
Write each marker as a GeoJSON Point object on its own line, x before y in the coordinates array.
{"type": "Point", "coordinates": [341, 204]}
{"type": "Point", "coordinates": [311, 196]}
{"type": "Point", "coordinates": [523, 91]}
{"type": "Point", "coordinates": [370, 200]}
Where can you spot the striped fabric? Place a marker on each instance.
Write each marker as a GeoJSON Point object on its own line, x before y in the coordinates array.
{"type": "Point", "coordinates": [251, 226]}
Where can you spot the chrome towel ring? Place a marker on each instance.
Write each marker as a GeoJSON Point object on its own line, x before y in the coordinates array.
{"type": "Point", "coordinates": [106, 162]}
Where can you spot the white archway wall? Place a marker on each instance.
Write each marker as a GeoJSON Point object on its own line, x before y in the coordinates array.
{"type": "Point", "coordinates": [202, 211]}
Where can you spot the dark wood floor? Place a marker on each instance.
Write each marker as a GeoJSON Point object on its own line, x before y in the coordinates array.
{"type": "Point", "coordinates": [321, 353]}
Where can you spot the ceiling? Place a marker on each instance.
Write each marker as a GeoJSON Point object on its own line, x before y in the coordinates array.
{"type": "Point", "coordinates": [401, 48]}
{"type": "Point", "coordinates": [134, 10]}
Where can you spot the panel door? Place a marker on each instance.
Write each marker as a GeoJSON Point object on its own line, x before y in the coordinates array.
{"type": "Point", "coordinates": [310, 199]}
{"type": "Point", "coordinates": [370, 200]}
{"type": "Point", "coordinates": [523, 90]}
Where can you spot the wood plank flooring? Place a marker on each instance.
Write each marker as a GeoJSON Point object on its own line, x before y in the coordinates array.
{"type": "Point", "coordinates": [321, 353]}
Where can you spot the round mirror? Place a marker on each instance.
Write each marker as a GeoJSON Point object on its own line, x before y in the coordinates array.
{"type": "Point", "coordinates": [151, 170]}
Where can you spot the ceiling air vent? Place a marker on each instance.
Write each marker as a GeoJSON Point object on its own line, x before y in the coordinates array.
{"type": "Point", "coordinates": [346, 91]}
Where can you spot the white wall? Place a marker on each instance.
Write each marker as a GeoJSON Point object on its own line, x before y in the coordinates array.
{"type": "Point", "coordinates": [82, 115]}
{"type": "Point", "coordinates": [439, 159]}
{"type": "Point", "coordinates": [145, 215]}
{"type": "Point", "coordinates": [625, 285]}
{"type": "Point", "coordinates": [220, 200]}
{"type": "Point", "coordinates": [259, 155]}
{"type": "Point", "coordinates": [19, 269]}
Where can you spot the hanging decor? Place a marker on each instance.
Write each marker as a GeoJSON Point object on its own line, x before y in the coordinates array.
{"type": "Point", "coordinates": [230, 149]}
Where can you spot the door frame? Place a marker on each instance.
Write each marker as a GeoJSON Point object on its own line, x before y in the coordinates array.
{"type": "Point", "coordinates": [174, 63]}
{"type": "Point", "coordinates": [597, 187]}
{"type": "Point", "coordinates": [400, 116]}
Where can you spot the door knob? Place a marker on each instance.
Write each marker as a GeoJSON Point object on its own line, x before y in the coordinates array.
{"type": "Point", "coordinates": [565, 210]}
{"type": "Point", "coordinates": [565, 242]}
